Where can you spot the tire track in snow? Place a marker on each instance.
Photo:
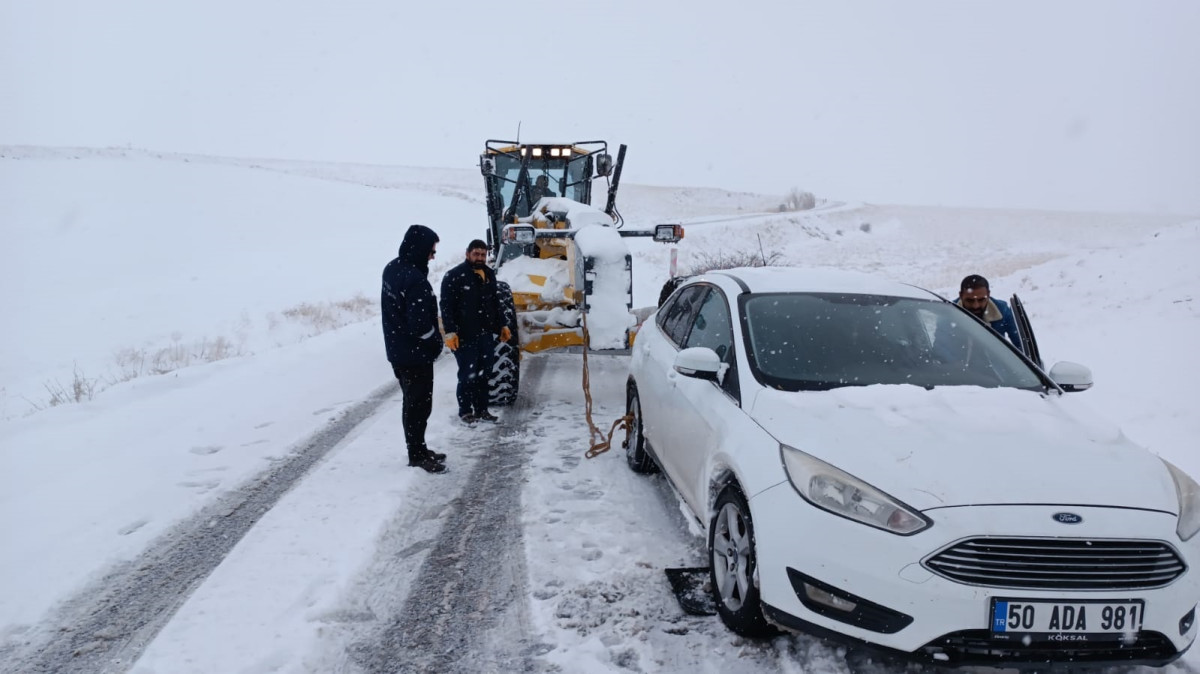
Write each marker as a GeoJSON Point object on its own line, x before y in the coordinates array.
{"type": "Point", "coordinates": [467, 608]}
{"type": "Point", "coordinates": [107, 626]}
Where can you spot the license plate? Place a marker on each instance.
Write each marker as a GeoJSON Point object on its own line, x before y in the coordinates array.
{"type": "Point", "coordinates": [1066, 621]}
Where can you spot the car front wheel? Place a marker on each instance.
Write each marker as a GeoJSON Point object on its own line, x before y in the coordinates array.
{"type": "Point", "coordinates": [733, 565]}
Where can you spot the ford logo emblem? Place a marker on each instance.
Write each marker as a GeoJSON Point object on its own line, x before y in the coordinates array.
{"type": "Point", "coordinates": [1067, 518]}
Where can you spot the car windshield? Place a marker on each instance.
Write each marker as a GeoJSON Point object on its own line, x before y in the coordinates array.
{"type": "Point", "coordinates": [819, 341]}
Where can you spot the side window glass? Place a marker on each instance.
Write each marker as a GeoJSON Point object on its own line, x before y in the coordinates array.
{"type": "Point", "coordinates": [676, 316]}
{"type": "Point", "coordinates": [713, 328]}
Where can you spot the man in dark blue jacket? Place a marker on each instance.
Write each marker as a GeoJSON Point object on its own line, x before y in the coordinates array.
{"type": "Point", "coordinates": [976, 297]}
{"type": "Point", "coordinates": [410, 334]}
{"type": "Point", "coordinates": [472, 318]}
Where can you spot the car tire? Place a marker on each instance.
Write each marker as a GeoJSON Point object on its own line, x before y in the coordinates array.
{"type": "Point", "coordinates": [733, 566]}
{"type": "Point", "coordinates": [639, 459]}
{"type": "Point", "coordinates": [505, 382]}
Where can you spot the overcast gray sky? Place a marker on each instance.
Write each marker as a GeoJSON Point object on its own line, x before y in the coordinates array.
{"type": "Point", "coordinates": [1079, 105]}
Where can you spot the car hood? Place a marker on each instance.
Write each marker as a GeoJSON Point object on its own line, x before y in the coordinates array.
{"type": "Point", "coordinates": [962, 445]}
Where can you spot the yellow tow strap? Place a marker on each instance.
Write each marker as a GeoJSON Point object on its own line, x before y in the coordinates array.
{"type": "Point", "coordinates": [600, 444]}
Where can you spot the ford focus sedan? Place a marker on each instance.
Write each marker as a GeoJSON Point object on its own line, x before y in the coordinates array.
{"type": "Point", "coordinates": [872, 463]}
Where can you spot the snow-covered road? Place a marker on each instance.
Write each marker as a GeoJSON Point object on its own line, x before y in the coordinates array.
{"type": "Point", "coordinates": [302, 541]}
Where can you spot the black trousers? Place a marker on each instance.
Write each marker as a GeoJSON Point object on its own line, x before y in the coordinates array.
{"type": "Point", "coordinates": [475, 359]}
{"type": "Point", "coordinates": [416, 383]}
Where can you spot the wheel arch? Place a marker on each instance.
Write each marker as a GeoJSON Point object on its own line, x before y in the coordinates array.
{"type": "Point", "coordinates": [721, 477]}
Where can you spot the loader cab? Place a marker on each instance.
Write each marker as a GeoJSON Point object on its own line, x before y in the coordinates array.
{"type": "Point", "coordinates": [516, 175]}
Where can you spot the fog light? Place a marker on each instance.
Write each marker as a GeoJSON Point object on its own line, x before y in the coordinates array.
{"type": "Point", "coordinates": [832, 601]}
{"type": "Point", "coordinates": [1185, 623]}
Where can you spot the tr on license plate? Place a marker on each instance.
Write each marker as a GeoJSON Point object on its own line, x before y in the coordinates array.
{"type": "Point", "coordinates": [1061, 620]}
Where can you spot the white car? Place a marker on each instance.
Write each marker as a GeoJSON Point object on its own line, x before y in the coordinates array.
{"type": "Point", "coordinates": [873, 463]}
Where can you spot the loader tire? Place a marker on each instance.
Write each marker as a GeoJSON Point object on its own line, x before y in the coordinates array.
{"type": "Point", "coordinates": [505, 381]}
{"type": "Point", "coordinates": [669, 288]}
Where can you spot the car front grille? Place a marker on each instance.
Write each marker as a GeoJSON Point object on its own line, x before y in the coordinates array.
{"type": "Point", "coordinates": [1058, 563]}
{"type": "Point", "coordinates": [977, 648]}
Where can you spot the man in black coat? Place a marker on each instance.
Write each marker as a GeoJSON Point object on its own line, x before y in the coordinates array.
{"type": "Point", "coordinates": [471, 319]}
{"type": "Point", "coordinates": [410, 334]}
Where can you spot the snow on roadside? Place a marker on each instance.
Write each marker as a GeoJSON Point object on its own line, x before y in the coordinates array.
{"type": "Point", "coordinates": [135, 255]}
{"type": "Point", "coordinates": [84, 486]}
{"type": "Point", "coordinates": [1132, 314]}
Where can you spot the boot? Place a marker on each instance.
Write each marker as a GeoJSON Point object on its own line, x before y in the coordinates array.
{"type": "Point", "coordinates": [427, 463]}
{"type": "Point", "coordinates": [424, 451]}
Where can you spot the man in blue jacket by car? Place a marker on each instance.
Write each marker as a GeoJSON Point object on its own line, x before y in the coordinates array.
{"type": "Point", "coordinates": [975, 296]}
{"type": "Point", "coordinates": [412, 339]}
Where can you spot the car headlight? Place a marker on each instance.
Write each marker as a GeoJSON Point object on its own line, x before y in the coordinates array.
{"type": "Point", "coordinates": [843, 494]}
{"type": "Point", "coordinates": [1189, 501]}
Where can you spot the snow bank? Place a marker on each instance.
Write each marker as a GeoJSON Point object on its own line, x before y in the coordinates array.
{"type": "Point", "coordinates": [608, 317]}
{"type": "Point", "coordinates": [579, 214]}
{"type": "Point", "coordinates": [518, 273]}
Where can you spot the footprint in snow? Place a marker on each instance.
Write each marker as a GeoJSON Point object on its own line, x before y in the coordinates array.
{"type": "Point", "coordinates": [539, 649]}
{"type": "Point", "coordinates": [130, 528]}
{"type": "Point", "coordinates": [346, 615]}
{"type": "Point", "coordinates": [207, 449]}
{"type": "Point", "coordinates": [264, 424]}
{"type": "Point", "coordinates": [202, 487]}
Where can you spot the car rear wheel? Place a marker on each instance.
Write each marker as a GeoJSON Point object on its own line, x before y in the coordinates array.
{"type": "Point", "coordinates": [635, 449]}
{"type": "Point", "coordinates": [733, 566]}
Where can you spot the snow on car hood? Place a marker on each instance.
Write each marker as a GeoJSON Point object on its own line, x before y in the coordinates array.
{"type": "Point", "coordinates": [966, 445]}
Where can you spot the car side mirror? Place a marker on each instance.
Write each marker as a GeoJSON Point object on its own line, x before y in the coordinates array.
{"type": "Point", "coordinates": [699, 362]}
{"type": "Point", "coordinates": [1072, 377]}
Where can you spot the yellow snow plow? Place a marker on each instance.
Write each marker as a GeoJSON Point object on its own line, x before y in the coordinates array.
{"type": "Point", "coordinates": [557, 257]}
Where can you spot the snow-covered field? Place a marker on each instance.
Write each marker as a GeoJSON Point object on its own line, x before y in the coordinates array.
{"type": "Point", "coordinates": [240, 281]}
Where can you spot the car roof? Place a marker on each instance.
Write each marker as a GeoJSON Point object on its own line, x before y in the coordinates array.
{"type": "Point", "coordinates": [814, 280]}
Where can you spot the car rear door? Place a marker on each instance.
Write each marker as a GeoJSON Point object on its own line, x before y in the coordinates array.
{"type": "Point", "coordinates": [654, 365]}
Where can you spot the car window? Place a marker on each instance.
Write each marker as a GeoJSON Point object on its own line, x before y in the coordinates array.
{"type": "Point", "coordinates": [713, 328]}
{"type": "Point", "coordinates": [816, 341]}
{"type": "Point", "coordinates": [676, 316]}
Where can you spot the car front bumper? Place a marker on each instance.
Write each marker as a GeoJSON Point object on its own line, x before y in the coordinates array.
{"type": "Point", "coordinates": [902, 606]}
